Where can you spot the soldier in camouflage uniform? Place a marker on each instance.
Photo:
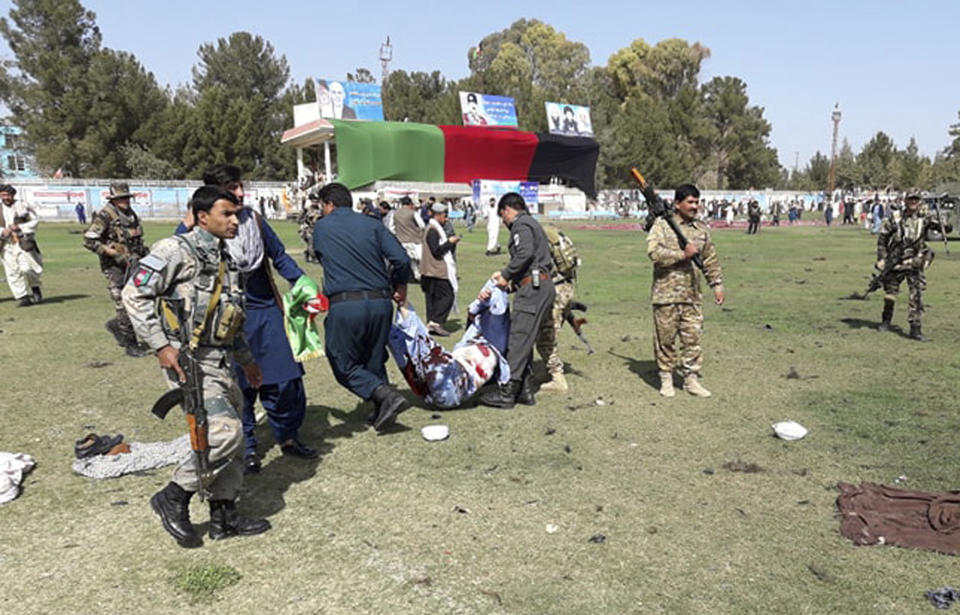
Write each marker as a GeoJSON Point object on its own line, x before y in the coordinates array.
{"type": "Point", "coordinates": [116, 236]}
{"type": "Point", "coordinates": [906, 232]}
{"type": "Point", "coordinates": [308, 218]}
{"type": "Point", "coordinates": [676, 297]}
{"type": "Point", "coordinates": [564, 282]}
{"type": "Point", "coordinates": [196, 268]}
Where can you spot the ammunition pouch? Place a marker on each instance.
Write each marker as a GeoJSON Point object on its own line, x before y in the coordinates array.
{"type": "Point", "coordinates": [228, 322]}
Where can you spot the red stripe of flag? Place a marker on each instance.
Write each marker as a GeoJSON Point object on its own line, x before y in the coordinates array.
{"type": "Point", "coordinates": [476, 152]}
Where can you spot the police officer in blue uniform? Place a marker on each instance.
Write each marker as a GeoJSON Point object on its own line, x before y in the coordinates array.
{"type": "Point", "coordinates": [364, 267]}
{"type": "Point", "coordinates": [282, 393]}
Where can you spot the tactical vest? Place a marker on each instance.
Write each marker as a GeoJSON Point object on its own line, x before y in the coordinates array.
{"type": "Point", "coordinates": [216, 306]}
{"type": "Point", "coordinates": [124, 228]}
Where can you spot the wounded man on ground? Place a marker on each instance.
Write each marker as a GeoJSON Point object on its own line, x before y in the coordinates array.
{"type": "Point", "coordinates": [448, 379]}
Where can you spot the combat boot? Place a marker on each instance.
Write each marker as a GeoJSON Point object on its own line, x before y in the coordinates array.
{"type": "Point", "coordinates": [666, 384]}
{"type": "Point", "coordinates": [556, 383]}
{"type": "Point", "coordinates": [114, 328]}
{"type": "Point", "coordinates": [525, 395]}
{"type": "Point", "coordinates": [503, 396]}
{"type": "Point", "coordinates": [389, 405]}
{"type": "Point", "coordinates": [225, 522]}
{"type": "Point", "coordinates": [691, 384]}
{"type": "Point", "coordinates": [916, 333]}
{"type": "Point", "coordinates": [887, 316]}
{"type": "Point", "coordinates": [172, 505]}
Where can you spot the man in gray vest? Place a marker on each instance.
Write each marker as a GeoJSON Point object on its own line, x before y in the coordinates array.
{"type": "Point", "coordinates": [530, 274]}
{"type": "Point", "coordinates": [408, 227]}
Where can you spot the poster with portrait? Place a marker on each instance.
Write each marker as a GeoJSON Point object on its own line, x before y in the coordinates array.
{"type": "Point", "coordinates": [486, 189]}
{"type": "Point", "coordinates": [569, 120]}
{"type": "Point", "coordinates": [349, 100]}
{"type": "Point", "coordinates": [487, 110]}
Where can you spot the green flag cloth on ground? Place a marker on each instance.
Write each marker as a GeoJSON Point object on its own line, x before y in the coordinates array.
{"type": "Point", "coordinates": [369, 151]}
{"type": "Point", "coordinates": [303, 329]}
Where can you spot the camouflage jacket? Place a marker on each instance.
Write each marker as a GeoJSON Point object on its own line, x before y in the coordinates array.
{"type": "Point", "coordinates": [306, 221]}
{"type": "Point", "coordinates": [186, 267]}
{"type": "Point", "coordinates": [119, 229]}
{"type": "Point", "coordinates": [911, 233]}
{"type": "Point", "coordinates": [675, 278]}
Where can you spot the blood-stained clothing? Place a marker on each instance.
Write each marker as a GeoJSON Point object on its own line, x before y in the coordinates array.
{"type": "Point", "coordinates": [443, 378]}
{"type": "Point", "coordinates": [675, 277]}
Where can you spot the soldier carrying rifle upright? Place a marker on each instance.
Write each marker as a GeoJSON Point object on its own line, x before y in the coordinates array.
{"type": "Point", "coordinates": [116, 236]}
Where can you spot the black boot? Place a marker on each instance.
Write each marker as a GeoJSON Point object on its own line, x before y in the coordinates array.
{"type": "Point", "coordinates": [225, 522]}
{"type": "Point", "coordinates": [37, 295]}
{"type": "Point", "coordinates": [525, 394]}
{"type": "Point", "coordinates": [389, 405]}
{"type": "Point", "coordinates": [172, 505]}
{"type": "Point", "coordinates": [887, 315]}
{"type": "Point", "coordinates": [25, 301]}
{"type": "Point", "coordinates": [114, 328]}
{"type": "Point", "coordinates": [503, 396]}
{"type": "Point", "coordinates": [916, 333]}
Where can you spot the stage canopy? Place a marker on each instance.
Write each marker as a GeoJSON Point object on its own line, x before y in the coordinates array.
{"type": "Point", "coordinates": [406, 151]}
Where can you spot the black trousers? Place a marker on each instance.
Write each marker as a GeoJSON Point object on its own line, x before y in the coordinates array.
{"type": "Point", "coordinates": [356, 343]}
{"type": "Point", "coordinates": [753, 227]}
{"type": "Point", "coordinates": [439, 297]}
{"type": "Point", "coordinates": [530, 306]}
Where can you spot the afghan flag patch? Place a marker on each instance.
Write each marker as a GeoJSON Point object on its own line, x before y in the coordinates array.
{"type": "Point", "coordinates": [142, 277]}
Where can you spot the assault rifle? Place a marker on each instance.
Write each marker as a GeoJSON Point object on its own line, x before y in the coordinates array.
{"type": "Point", "coordinates": [577, 323]}
{"type": "Point", "coordinates": [659, 209]}
{"type": "Point", "coordinates": [189, 394]}
{"type": "Point", "coordinates": [894, 257]}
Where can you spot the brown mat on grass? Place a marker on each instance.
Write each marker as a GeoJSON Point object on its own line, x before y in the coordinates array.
{"type": "Point", "coordinates": [876, 514]}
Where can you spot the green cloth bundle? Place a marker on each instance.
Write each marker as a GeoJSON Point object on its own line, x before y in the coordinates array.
{"type": "Point", "coordinates": [303, 329]}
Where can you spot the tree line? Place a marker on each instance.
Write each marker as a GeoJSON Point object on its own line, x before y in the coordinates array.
{"type": "Point", "coordinates": [97, 112]}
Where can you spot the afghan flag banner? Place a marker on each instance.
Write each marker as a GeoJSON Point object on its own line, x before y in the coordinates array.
{"type": "Point", "coordinates": [405, 151]}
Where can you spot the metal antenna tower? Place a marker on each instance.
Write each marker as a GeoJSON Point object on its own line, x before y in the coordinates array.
{"type": "Point", "coordinates": [386, 54]}
{"type": "Point", "coordinates": [832, 179]}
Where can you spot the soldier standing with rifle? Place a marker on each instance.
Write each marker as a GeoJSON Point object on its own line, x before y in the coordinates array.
{"type": "Point", "coordinates": [116, 236]}
{"type": "Point", "coordinates": [902, 253]}
{"type": "Point", "coordinates": [194, 270]}
{"type": "Point", "coordinates": [674, 245]}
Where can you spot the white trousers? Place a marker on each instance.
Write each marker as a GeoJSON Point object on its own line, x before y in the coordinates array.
{"type": "Point", "coordinates": [22, 269]}
{"type": "Point", "coordinates": [493, 231]}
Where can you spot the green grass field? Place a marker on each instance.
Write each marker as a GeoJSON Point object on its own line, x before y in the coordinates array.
{"type": "Point", "coordinates": [394, 524]}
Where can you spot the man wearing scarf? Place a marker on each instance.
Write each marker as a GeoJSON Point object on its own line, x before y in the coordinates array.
{"type": "Point", "coordinates": [282, 393]}
{"type": "Point", "coordinates": [438, 271]}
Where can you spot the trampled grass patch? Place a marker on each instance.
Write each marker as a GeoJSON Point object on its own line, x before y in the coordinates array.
{"type": "Point", "coordinates": [201, 584]}
{"type": "Point", "coordinates": [359, 530]}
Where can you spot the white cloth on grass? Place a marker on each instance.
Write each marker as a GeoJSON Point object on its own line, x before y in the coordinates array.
{"type": "Point", "coordinates": [142, 456]}
{"type": "Point", "coordinates": [12, 468]}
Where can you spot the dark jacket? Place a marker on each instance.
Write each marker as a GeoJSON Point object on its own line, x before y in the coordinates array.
{"type": "Point", "coordinates": [529, 249]}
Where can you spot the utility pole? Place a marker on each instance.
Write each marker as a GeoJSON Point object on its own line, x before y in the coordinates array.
{"type": "Point", "coordinates": [386, 54]}
{"type": "Point", "coordinates": [832, 179]}
{"type": "Point", "coordinates": [796, 161]}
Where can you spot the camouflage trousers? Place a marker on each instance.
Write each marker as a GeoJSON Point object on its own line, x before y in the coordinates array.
{"type": "Point", "coordinates": [223, 400]}
{"type": "Point", "coordinates": [916, 284]}
{"type": "Point", "coordinates": [550, 328]}
{"type": "Point", "coordinates": [115, 281]}
{"type": "Point", "coordinates": [683, 321]}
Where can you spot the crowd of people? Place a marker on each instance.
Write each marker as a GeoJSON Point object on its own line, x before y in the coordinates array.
{"type": "Point", "coordinates": [209, 292]}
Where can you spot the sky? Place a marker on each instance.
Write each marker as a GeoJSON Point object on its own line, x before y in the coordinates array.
{"type": "Point", "coordinates": [891, 65]}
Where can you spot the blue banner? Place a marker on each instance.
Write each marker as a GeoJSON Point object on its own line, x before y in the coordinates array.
{"type": "Point", "coordinates": [349, 100]}
{"type": "Point", "coordinates": [487, 110]}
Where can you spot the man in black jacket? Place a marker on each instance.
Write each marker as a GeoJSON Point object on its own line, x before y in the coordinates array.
{"type": "Point", "coordinates": [529, 273]}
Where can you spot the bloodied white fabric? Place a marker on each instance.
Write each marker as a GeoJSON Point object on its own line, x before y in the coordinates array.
{"type": "Point", "coordinates": [444, 379]}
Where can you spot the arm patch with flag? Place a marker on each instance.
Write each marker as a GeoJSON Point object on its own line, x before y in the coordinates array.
{"type": "Point", "coordinates": [150, 265]}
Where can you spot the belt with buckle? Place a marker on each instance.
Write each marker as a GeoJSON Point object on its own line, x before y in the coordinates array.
{"type": "Point", "coordinates": [360, 295]}
{"type": "Point", "coordinates": [524, 281]}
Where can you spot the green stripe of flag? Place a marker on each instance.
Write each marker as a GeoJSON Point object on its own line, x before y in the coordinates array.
{"type": "Point", "coordinates": [369, 151]}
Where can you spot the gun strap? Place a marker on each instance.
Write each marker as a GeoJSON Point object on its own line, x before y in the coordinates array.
{"type": "Point", "coordinates": [214, 300]}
